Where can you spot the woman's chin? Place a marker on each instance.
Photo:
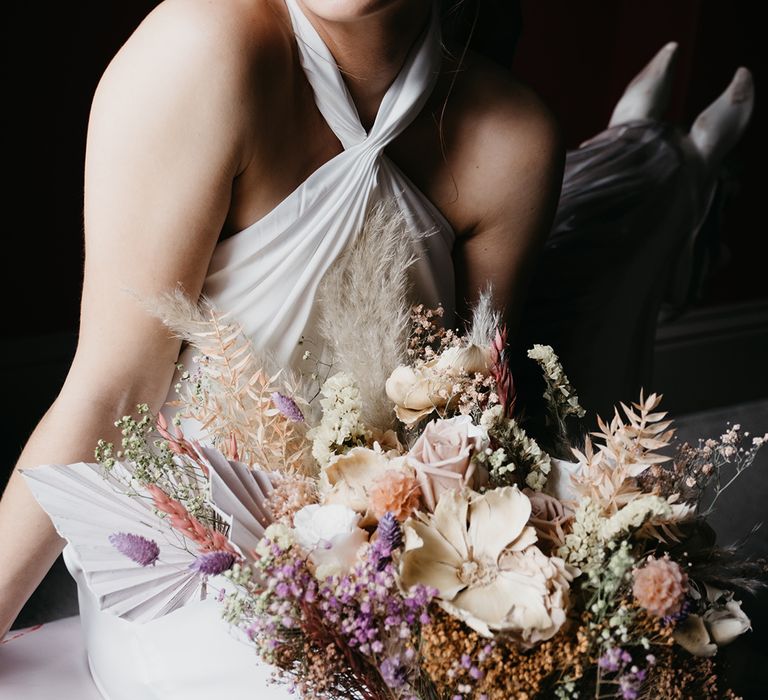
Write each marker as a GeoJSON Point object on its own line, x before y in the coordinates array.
{"type": "Point", "coordinates": [348, 10]}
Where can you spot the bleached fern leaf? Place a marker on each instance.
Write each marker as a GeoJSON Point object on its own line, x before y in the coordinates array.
{"type": "Point", "coordinates": [231, 391]}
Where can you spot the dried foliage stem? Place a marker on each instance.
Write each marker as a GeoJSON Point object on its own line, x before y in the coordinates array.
{"type": "Point", "coordinates": [230, 393]}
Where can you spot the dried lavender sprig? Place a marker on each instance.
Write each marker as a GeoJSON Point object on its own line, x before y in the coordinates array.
{"type": "Point", "coordinates": [390, 532]}
{"type": "Point", "coordinates": [143, 551]}
{"type": "Point", "coordinates": [213, 563]}
{"type": "Point", "coordinates": [390, 537]}
{"type": "Point", "coordinates": [287, 406]}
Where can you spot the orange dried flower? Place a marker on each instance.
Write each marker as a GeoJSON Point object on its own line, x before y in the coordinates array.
{"type": "Point", "coordinates": [660, 586]}
{"type": "Point", "coordinates": [396, 492]}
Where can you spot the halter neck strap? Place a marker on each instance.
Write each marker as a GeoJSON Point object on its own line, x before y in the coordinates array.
{"type": "Point", "coordinates": [269, 276]}
{"type": "Point", "coordinates": [403, 99]}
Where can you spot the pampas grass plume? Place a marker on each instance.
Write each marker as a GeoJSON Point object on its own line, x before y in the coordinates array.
{"type": "Point", "coordinates": [365, 310]}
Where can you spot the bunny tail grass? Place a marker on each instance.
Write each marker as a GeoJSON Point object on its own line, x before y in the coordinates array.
{"type": "Point", "coordinates": [486, 320]}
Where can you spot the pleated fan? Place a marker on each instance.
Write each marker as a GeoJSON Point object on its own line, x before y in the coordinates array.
{"type": "Point", "coordinates": [86, 506]}
{"type": "Point", "coordinates": [239, 494]}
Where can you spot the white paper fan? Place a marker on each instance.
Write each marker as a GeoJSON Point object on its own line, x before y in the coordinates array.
{"type": "Point", "coordinates": [86, 506]}
{"type": "Point", "coordinates": [239, 494]}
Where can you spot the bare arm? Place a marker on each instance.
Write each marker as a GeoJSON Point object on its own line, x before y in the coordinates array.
{"type": "Point", "coordinates": [514, 183]}
{"type": "Point", "coordinates": [164, 145]}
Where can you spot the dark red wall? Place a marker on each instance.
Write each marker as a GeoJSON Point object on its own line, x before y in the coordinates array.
{"type": "Point", "coordinates": [577, 55]}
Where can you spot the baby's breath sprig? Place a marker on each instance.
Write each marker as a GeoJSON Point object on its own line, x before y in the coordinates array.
{"type": "Point", "coordinates": [153, 462]}
{"type": "Point", "coordinates": [561, 398]}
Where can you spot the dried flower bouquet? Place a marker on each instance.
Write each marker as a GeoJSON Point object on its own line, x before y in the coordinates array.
{"type": "Point", "coordinates": [395, 531]}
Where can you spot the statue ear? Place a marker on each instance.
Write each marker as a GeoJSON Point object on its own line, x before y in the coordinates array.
{"type": "Point", "coordinates": [490, 27]}
{"type": "Point", "coordinates": [647, 95]}
{"type": "Point", "coordinates": [720, 126]}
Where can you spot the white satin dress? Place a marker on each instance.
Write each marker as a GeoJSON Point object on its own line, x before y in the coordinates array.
{"type": "Point", "coordinates": [267, 276]}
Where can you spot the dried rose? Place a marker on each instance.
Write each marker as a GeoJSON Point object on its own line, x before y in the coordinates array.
{"type": "Point", "coordinates": [724, 619]}
{"type": "Point", "coordinates": [721, 622]}
{"type": "Point", "coordinates": [417, 391]}
{"type": "Point", "coordinates": [691, 634]}
{"type": "Point", "coordinates": [442, 458]}
{"type": "Point", "coordinates": [548, 517]}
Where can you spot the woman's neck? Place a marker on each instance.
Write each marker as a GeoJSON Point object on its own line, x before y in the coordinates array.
{"type": "Point", "coordinates": [371, 50]}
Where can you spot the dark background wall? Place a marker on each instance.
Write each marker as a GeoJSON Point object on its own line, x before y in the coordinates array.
{"type": "Point", "coordinates": [578, 56]}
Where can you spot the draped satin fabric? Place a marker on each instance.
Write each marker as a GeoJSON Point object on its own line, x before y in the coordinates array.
{"type": "Point", "coordinates": [267, 276]}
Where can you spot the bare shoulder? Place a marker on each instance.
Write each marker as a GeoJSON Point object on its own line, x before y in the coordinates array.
{"type": "Point", "coordinates": [506, 114]}
{"type": "Point", "coordinates": [215, 48]}
{"type": "Point", "coordinates": [505, 137]}
{"type": "Point", "coordinates": [233, 31]}
{"type": "Point", "coordinates": [196, 66]}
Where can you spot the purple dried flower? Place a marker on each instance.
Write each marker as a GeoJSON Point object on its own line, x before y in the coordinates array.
{"type": "Point", "coordinates": [680, 615]}
{"type": "Point", "coordinates": [393, 672]}
{"type": "Point", "coordinates": [630, 679]}
{"type": "Point", "coordinates": [613, 659]}
{"type": "Point", "coordinates": [390, 537]}
{"type": "Point", "coordinates": [390, 532]}
{"type": "Point", "coordinates": [137, 548]}
{"type": "Point", "coordinates": [212, 563]}
{"type": "Point", "coordinates": [630, 683]}
{"type": "Point", "coordinates": [365, 606]}
{"type": "Point", "coordinates": [287, 406]}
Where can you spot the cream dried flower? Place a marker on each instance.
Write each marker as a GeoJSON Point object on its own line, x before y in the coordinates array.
{"type": "Point", "coordinates": [633, 515]}
{"type": "Point", "coordinates": [477, 551]}
{"type": "Point", "coordinates": [418, 391]}
{"type": "Point", "coordinates": [351, 479]}
{"type": "Point", "coordinates": [583, 546]}
{"type": "Point", "coordinates": [348, 478]}
{"type": "Point", "coordinates": [341, 426]}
